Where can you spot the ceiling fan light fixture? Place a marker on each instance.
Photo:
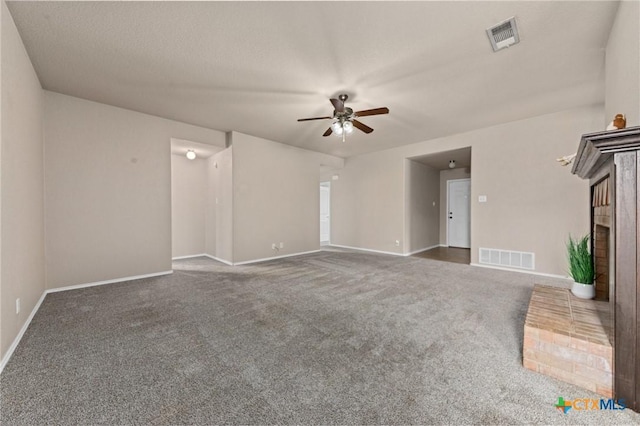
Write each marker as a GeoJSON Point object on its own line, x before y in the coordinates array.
{"type": "Point", "coordinates": [344, 118]}
{"type": "Point", "coordinates": [347, 126]}
{"type": "Point", "coordinates": [337, 127]}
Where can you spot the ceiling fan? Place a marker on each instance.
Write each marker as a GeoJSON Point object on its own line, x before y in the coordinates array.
{"type": "Point", "coordinates": [344, 119]}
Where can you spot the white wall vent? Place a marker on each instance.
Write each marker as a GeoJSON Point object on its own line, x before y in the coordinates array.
{"type": "Point", "coordinates": [507, 258]}
{"type": "Point", "coordinates": [503, 34]}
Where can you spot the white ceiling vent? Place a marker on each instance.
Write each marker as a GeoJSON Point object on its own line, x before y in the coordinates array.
{"type": "Point", "coordinates": [503, 34]}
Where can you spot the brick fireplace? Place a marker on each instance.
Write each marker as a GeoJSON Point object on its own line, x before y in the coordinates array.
{"type": "Point", "coordinates": [601, 254]}
{"type": "Point", "coordinates": [601, 214]}
{"type": "Point", "coordinates": [596, 343]}
{"type": "Point", "coordinates": [569, 339]}
{"type": "Point", "coordinates": [610, 160]}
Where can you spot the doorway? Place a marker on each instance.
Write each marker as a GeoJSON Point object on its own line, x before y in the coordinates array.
{"type": "Point", "coordinates": [459, 213]}
{"type": "Point", "coordinates": [193, 199]}
{"type": "Point", "coordinates": [325, 213]}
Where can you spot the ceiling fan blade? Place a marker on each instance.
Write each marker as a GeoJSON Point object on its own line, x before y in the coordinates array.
{"type": "Point", "coordinates": [375, 111]}
{"type": "Point", "coordinates": [314, 118]}
{"type": "Point", "coordinates": [328, 132]}
{"type": "Point", "coordinates": [337, 104]}
{"type": "Point", "coordinates": [362, 126]}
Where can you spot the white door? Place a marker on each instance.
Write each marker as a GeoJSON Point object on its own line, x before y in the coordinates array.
{"type": "Point", "coordinates": [459, 213]}
{"type": "Point", "coordinates": [325, 217]}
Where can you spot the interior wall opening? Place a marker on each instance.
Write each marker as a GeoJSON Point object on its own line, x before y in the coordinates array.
{"type": "Point", "coordinates": [193, 202]}
{"type": "Point", "coordinates": [325, 213]}
{"type": "Point", "coordinates": [450, 172]}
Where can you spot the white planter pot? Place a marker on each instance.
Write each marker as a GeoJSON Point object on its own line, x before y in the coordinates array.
{"type": "Point", "coordinates": [583, 291]}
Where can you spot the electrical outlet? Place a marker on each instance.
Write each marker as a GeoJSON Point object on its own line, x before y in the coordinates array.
{"type": "Point", "coordinates": [281, 245]}
{"type": "Point", "coordinates": [397, 243]}
{"type": "Point", "coordinates": [17, 306]}
{"type": "Point", "coordinates": [273, 246]}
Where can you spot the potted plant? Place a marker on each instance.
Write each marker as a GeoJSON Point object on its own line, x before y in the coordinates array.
{"type": "Point", "coordinates": [581, 267]}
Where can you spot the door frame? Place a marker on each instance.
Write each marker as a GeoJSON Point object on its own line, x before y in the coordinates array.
{"type": "Point", "coordinates": [447, 208]}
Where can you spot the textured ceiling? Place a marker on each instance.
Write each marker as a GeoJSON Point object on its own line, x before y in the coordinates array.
{"type": "Point", "coordinates": [256, 67]}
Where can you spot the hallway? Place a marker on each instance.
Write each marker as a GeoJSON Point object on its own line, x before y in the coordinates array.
{"type": "Point", "coordinates": [447, 254]}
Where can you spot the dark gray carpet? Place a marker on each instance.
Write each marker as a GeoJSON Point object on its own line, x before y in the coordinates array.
{"type": "Point", "coordinates": [334, 337]}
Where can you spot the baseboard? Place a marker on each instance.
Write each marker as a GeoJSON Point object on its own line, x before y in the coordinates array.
{"type": "Point", "coordinates": [369, 250]}
{"type": "Point", "coordinates": [387, 252]}
{"type": "Point", "coordinates": [226, 262]}
{"type": "Point", "coordinates": [247, 262]}
{"type": "Point", "coordinates": [421, 250]}
{"type": "Point", "coordinates": [190, 256]}
{"type": "Point", "coordinates": [15, 342]}
{"type": "Point", "coordinates": [117, 280]}
{"type": "Point", "coordinates": [523, 271]}
{"type": "Point", "coordinates": [265, 259]}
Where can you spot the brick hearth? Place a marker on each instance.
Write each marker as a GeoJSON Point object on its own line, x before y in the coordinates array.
{"type": "Point", "coordinates": [569, 339]}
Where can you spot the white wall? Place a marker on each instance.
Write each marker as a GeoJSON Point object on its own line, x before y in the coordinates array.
{"type": "Point", "coordinates": [189, 192]}
{"type": "Point", "coordinates": [220, 241]}
{"type": "Point", "coordinates": [422, 190]}
{"type": "Point", "coordinates": [22, 269]}
{"type": "Point", "coordinates": [445, 176]}
{"type": "Point", "coordinates": [8, 332]}
{"type": "Point", "coordinates": [108, 190]}
{"type": "Point", "coordinates": [368, 202]}
{"type": "Point", "coordinates": [275, 197]}
{"type": "Point", "coordinates": [622, 76]}
{"type": "Point", "coordinates": [210, 208]}
{"type": "Point", "coordinates": [533, 202]}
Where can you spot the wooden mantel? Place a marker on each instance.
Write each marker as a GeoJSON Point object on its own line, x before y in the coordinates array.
{"type": "Point", "coordinates": [615, 155]}
{"type": "Point", "coordinates": [596, 149]}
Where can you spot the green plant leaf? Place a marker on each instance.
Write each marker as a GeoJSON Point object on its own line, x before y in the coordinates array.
{"type": "Point", "coordinates": [581, 265]}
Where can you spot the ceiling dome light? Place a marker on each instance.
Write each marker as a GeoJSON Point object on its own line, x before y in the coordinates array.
{"type": "Point", "coordinates": [452, 164]}
{"type": "Point", "coordinates": [348, 126]}
{"type": "Point", "coordinates": [191, 155]}
{"type": "Point", "coordinates": [337, 127]}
